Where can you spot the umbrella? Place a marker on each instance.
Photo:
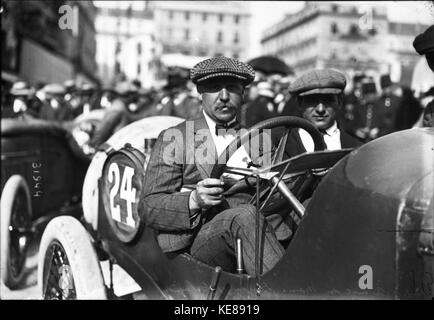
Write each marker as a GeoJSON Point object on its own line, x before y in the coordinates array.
{"type": "Point", "coordinates": [270, 65]}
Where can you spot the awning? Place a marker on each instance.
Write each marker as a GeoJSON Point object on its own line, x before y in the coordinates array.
{"type": "Point", "coordinates": [9, 77]}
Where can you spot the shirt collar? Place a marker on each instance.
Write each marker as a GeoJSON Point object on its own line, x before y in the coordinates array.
{"type": "Point", "coordinates": [333, 129]}
{"type": "Point", "coordinates": [211, 123]}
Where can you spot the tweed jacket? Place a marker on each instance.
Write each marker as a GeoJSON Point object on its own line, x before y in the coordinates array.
{"type": "Point", "coordinates": [175, 163]}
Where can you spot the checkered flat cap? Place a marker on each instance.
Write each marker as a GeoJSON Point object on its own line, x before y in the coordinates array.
{"type": "Point", "coordinates": [319, 82]}
{"type": "Point", "coordinates": [222, 67]}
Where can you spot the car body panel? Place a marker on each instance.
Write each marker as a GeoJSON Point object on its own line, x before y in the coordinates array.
{"type": "Point", "coordinates": [40, 151]}
{"type": "Point", "coordinates": [366, 213]}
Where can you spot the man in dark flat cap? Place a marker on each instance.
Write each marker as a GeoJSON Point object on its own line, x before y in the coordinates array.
{"type": "Point", "coordinates": [424, 44]}
{"type": "Point", "coordinates": [320, 96]}
{"type": "Point", "coordinates": [191, 209]}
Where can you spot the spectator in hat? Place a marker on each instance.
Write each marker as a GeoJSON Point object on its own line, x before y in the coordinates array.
{"type": "Point", "coordinates": [385, 107]}
{"type": "Point", "coordinates": [424, 45]}
{"type": "Point", "coordinates": [54, 107]}
{"type": "Point", "coordinates": [71, 98]}
{"type": "Point", "coordinates": [350, 116]}
{"type": "Point", "coordinates": [177, 98]}
{"type": "Point", "coordinates": [25, 103]}
{"type": "Point", "coordinates": [117, 116]}
{"type": "Point", "coordinates": [87, 99]}
{"type": "Point", "coordinates": [182, 198]}
{"type": "Point", "coordinates": [108, 95]}
{"type": "Point", "coordinates": [262, 107]}
{"type": "Point", "coordinates": [320, 97]}
{"type": "Point", "coordinates": [368, 116]}
{"type": "Point", "coordinates": [285, 103]}
{"type": "Point", "coordinates": [128, 106]}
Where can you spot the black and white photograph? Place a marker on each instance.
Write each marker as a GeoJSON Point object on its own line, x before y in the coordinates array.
{"type": "Point", "coordinates": [217, 154]}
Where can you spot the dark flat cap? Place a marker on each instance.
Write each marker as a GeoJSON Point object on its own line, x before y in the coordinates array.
{"type": "Point", "coordinates": [319, 81]}
{"type": "Point", "coordinates": [424, 43]}
{"type": "Point", "coordinates": [222, 67]}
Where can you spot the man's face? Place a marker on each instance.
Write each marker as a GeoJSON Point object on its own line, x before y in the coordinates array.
{"type": "Point", "coordinates": [221, 98]}
{"type": "Point", "coordinates": [430, 59]}
{"type": "Point", "coordinates": [320, 109]}
{"type": "Point", "coordinates": [428, 115]}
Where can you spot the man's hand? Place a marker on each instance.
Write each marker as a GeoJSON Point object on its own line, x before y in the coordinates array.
{"type": "Point", "coordinates": [208, 193]}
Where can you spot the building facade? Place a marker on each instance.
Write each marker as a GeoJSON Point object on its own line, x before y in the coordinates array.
{"type": "Point", "coordinates": [401, 51]}
{"type": "Point", "coordinates": [345, 37]}
{"type": "Point", "coordinates": [203, 28]}
{"type": "Point", "coordinates": [37, 50]}
{"type": "Point", "coordinates": [126, 46]}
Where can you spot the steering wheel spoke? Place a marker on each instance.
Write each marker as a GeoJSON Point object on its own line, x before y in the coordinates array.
{"type": "Point", "coordinates": [280, 150]}
{"type": "Point", "coordinates": [271, 182]}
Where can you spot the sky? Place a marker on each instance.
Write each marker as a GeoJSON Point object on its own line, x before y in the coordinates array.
{"type": "Point", "coordinates": [267, 13]}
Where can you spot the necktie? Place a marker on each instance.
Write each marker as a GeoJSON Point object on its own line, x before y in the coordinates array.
{"type": "Point", "coordinates": [323, 132]}
{"type": "Point", "coordinates": [222, 128]}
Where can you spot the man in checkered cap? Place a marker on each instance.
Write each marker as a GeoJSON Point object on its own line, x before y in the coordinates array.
{"type": "Point", "coordinates": [192, 209]}
{"type": "Point", "coordinates": [320, 96]}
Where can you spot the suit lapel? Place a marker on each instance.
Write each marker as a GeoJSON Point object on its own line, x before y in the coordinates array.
{"type": "Point", "coordinates": [205, 152]}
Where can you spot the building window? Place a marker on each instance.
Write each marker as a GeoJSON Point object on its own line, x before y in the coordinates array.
{"type": "Point", "coordinates": [236, 38]}
{"type": "Point", "coordinates": [187, 35]}
{"type": "Point", "coordinates": [354, 30]}
{"type": "Point", "coordinates": [139, 49]}
{"type": "Point", "coordinates": [219, 37]}
{"type": "Point", "coordinates": [117, 67]}
{"type": "Point", "coordinates": [170, 15]}
{"type": "Point", "coordinates": [237, 19]}
{"type": "Point", "coordinates": [335, 8]}
{"type": "Point", "coordinates": [334, 28]}
{"type": "Point", "coordinates": [118, 47]}
{"type": "Point", "coordinates": [187, 16]}
{"type": "Point", "coordinates": [204, 16]}
{"type": "Point", "coordinates": [220, 18]}
{"type": "Point", "coordinates": [139, 69]}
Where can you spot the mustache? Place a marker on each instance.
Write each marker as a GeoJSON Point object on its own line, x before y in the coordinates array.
{"type": "Point", "coordinates": [227, 105]}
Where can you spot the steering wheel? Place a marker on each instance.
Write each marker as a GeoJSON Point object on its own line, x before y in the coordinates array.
{"type": "Point", "coordinates": [304, 180]}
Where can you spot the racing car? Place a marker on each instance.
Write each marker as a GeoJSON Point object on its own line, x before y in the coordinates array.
{"type": "Point", "coordinates": [366, 231]}
{"type": "Point", "coordinates": [43, 170]}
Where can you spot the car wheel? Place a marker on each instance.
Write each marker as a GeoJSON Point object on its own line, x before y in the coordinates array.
{"type": "Point", "coordinates": [16, 214]}
{"type": "Point", "coordinates": [68, 266]}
